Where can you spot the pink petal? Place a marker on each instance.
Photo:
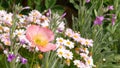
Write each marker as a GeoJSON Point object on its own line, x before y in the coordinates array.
{"type": "Point", "coordinates": [31, 32]}
{"type": "Point", "coordinates": [48, 47]}
{"type": "Point", "coordinates": [47, 32]}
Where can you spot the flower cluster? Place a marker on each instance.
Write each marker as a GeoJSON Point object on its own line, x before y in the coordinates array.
{"type": "Point", "coordinates": [36, 33]}
{"type": "Point", "coordinates": [23, 36]}
{"type": "Point", "coordinates": [11, 57]}
{"type": "Point", "coordinates": [66, 48]}
{"type": "Point", "coordinates": [100, 19]}
{"type": "Point", "coordinates": [31, 32]}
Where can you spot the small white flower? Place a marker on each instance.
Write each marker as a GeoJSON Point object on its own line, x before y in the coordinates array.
{"type": "Point", "coordinates": [5, 38]}
{"type": "Point", "coordinates": [8, 19]}
{"type": "Point", "coordinates": [69, 44]}
{"type": "Point", "coordinates": [24, 45]}
{"type": "Point", "coordinates": [89, 61]}
{"type": "Point", "coordinates": [85, 50]}
{"type": "Point", "coordinates": [19, 32]}
{"type": "Point", "coordinates": [68, 55]}
{"type": "Point", "coordinates": [76, 36]}
{"type": "Point", "coordinates": [77, 63]}
{"type": "Point", "coordinates": [6, 29]}
{"type": "Point", "coordinates": [83, 55]}
{"type": "Point", "coordinates": [18, 59]}
{"type": "Point", "coordinates": [23, 39]}
{"type": "Point", "coordinates": [60, 46]}
{"type": "Point", "coordinates": [104, 59]}
{"type": "Point", "coordinates": [81, 40]}
{"type": "Point", "coordinates": [87, 42]}
{"type": "Point", "coordinates": [60, 40]}
{"type": "Point", "coordinates": [35, 13]}
{"type": "Point", "coordinates": [2, 13]}
{"type": "Point", "coordinates": [60, 52]}
{"type": "Point", "coordinates": [22, 19]}
{"type": "Point", "coordinates": [69, 32]}
{"type": "Point", "coordinates": [5, 51]}
{"type": "Point", "coordinates": [45, 24]}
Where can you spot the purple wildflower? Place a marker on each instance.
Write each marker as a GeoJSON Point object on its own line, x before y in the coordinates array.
{"type": "Point", "coordinates": [10, 57]}
{"type": "Point", "coordinates": [63, 15]}
{"type": "Point", "coordinates": [110, 7]}
{"type": "Point", "coordinates": [98, 20]}
{"type": "Point", "coordinates": [60, 30]}
{"type": "Point", "coordinates": [87, 1]}
{"type": "Point", "coordinates": [22, 41]}
{"type": "Point", "coordinates": [27, 7]}
{"type": "Point", "coordinates": [23, 60]}
{"type": "Point", "coordinates": [48, 12]}
{"type": "Point", "coordinates": [113, 19]}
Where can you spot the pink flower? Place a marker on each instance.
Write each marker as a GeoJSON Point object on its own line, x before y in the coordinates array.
{"type": "Point", "coordinates": [98, 20]}
{"type": "Point", "coordinates": [87, 1]}
{"type": "Point", "coordinates": [113, 19]}
{"type": "Point", "coordinates": [110, 7]}
{"type": "Point", "coordinates": [40, 37]}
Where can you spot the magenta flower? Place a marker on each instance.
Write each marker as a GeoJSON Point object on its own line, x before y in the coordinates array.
{"type": "Point", "coordinates": [110, 7]}
{"type": "Point", "coordinates": [27, 7]}
{"type": "Point", "coordinates": [23, 60]}
{"type": "Point", "coordinates": [63, 15]}
{"type": "Point", "coordinates": [10, 57]}
{"type": "Point", "coordinates": [113, 19]}
{"type": "Point", "coordinates": [87, 1]}
{"type": "Point", "coordinates": [98, 20]}
{"type": "Point", "coordinates": [40, 37]}
{"type": "Point", "coordinates": [48, 12]}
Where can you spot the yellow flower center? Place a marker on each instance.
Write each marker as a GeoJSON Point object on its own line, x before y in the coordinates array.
{"type": "Point", "coordinates": [69, 34]}
{"type": "Point", "coordinates": [68, 43]}
{"type": "Point", "coordinates": [60, 53]}
{"type": "Point", "coordinates": [68, 54]}
{"type": "Point", "coordinates": [40, 41]}
{"type": "Point", "coordinates": [1, 28]}
{"type": "Point", "coordinates": [60, 40]}
{"type": "Point", "coordinates": [86, 42]}
{"type": "Point", "coordinates": [88, 61]}
{"type": "Point", "coordinates": [75, 36]}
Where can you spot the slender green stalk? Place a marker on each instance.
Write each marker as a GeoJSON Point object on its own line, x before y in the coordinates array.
{"type": "Point", "coordinates": [31, 65]}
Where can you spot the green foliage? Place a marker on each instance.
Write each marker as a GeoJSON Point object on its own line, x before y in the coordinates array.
{"type": "Point", "coordinates": [106, 37]}
{"type": "Point", "coordinates": [50, 3]}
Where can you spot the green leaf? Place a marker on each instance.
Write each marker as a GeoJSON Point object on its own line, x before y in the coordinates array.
{"type": "Point", "coordinates": [1, 8]}
{"type": "Point", "coordinates": [49, 3]}
{"type": "Point", "coordinates": [1, 57]}
{"type": "Point", "coordinates": [59, 9]}
{"type": "Point", "coordinates": [75, 4]}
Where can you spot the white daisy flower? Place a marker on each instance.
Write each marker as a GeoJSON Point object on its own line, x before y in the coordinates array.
{"type": "Point", "coordinates": [69, 44]}
{"type": "Point", "coordinates": [60, 52]}
{"type": "Point", "coordinates": [87, 42]}
{"type": "Point", "coordinates": [83, 55]}
{"type": "Point", "coordinates": [69, 32]}
{"type": "Point", "coordinates": [76, 36]}
{"type": "Point", "coordinates": [77, 63]}
{"type": "Point", "coordinates": [68, 55]}
{"type": "Point", "coordinates": [6, 29]}
{"type": "Point", "coordinates": [60, 40]}
{"type": "Point", "coordinates": [89, 61]}
{"type": "Point", "coordinates": [19, 32]}
{"type": "Point", "coordinates": [85, 50]}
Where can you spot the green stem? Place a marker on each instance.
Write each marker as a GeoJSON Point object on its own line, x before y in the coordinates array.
{"type": "Point", "coordinates": [6, 63]}
{"type": "Point", "coordinates": [47, 61]}
{"type": "Point", "coordinates": [31, 65]}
